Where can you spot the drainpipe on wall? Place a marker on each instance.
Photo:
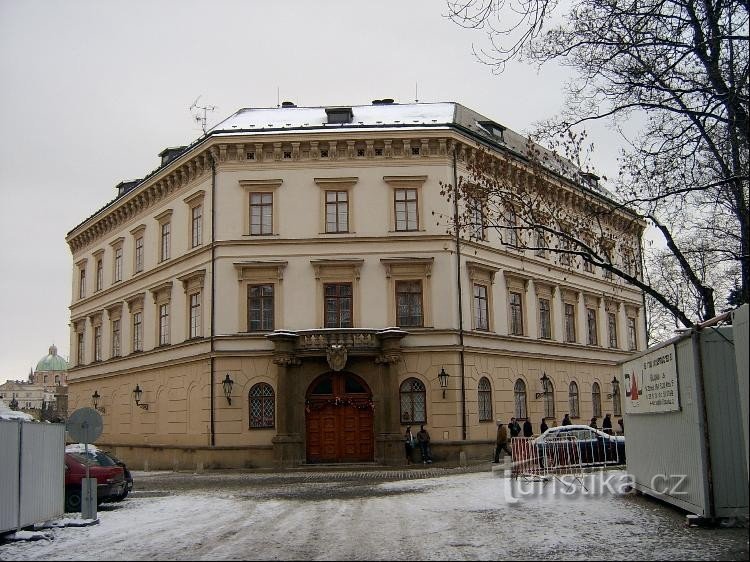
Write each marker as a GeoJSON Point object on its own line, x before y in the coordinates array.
{"type": "Point", "coordinates": [213, 291]}
{"type": "Point", "coordinates": [460, 297]}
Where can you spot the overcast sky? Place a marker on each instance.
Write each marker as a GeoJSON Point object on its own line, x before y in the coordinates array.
{"type": "Point", "coordinates": [92, 91]}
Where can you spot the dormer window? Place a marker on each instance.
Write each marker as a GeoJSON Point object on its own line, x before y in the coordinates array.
{"type": "Point", "coordinates": [494, 129]}
{"type": "Point", "coordinates": [589, 180]}
{"type": "Point", "coordinates": [339, 115]}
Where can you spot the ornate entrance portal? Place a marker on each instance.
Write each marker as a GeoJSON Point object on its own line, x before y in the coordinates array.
{"type": "Point", "coordinates": [339, 419]}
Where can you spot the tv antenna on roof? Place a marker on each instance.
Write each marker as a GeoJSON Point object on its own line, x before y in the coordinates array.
{"type": "Point", "coordinates": [198, 116]}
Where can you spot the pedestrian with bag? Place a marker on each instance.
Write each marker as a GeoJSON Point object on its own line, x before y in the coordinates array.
{"type": "Point", "coordinates": [501, 442]}
{"type": "Point", "coordinates": [409, 443]}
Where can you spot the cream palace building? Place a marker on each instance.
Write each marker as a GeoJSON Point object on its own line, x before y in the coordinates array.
{"type": "Point", "coordinates": [285, 291]}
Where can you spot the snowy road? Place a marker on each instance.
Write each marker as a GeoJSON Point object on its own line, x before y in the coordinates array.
{"type": "Point", "coordinates": [332, 516]}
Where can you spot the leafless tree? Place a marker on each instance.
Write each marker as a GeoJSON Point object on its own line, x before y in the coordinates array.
{"type": "Point", "coordinates": [681, 67]}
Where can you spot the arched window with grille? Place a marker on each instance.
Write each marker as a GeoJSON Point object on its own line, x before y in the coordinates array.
{"type": "Point", "coordinates": [596, 399]}
{"type": "Point", "coordinates": [413, 401]}
{"type": "Point", "coordinates": [262, 406]}
{"type": "Point", "coordinates": [616, 404]}
{"type": "Point", "coordinates": [485, 399]}
{"type": "Point", "coordinates": [519, 399]}
{"type": "Point", "coordinates": [549, 399]}
{"type": "Point", "coordinates": [573, 400]}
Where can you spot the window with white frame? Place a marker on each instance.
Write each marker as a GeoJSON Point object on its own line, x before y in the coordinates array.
{"type": "Point", "coordinates": [81, 355]}
{"type": "Point", "coordinates": [116, 338]}
{"type": "Point", "coordinates": [261, 213]}
{"type": "Point", "coordinates": [97, 343]}
{"type": "Point", "coordinates": [406, 209]}
{"type": "Point", "coordinates": [195, 316]}
{"type": "Point", "coordinates": [632, 334]}
{"type": "Point", "coordinates": [337, 211]}
{"type": "Point", "coordinates": [166, 241]}
{"type": "Point", "coordinates": [99, 274]}
{"type": "Point", "coordinates": [260, 301]}
{"type": "Point", "coordinates": [138, 331]}
{"type": "Point", "coordinates": [542, 245]}
{"type": "Point", "coordinates": [196, 226]}
{"type": "Point", "coordinates": [118, 265]}
{"type": "Point", "coordinates": [138, 250]}
{"type": "Point", "coordinates": [82, 282]}
{"type": "Point", "coordinates": [510, 235]}
{"type": "Point", "coordinates": [476, 220]}
{"type": "Point", "coordinates": [164, 324]}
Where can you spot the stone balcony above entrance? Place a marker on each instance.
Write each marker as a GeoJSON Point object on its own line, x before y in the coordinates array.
{"type": "Point", "coordinates": [336, 344]}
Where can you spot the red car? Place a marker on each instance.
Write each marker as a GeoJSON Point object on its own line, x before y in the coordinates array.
{"type": "Point", "coordinates": [110, 478]}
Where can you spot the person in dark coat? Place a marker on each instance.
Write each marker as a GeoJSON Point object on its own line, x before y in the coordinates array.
{"type": "Point", "coordinates": [502, 441]}
{"type": "Point", "coordinates": [528, 431]}
{"type": "Point", "coordinates": [514, 427]}
{"type": "Point", "coordinates": [607, 424]}
{"type": "Point", "coordinates": [566, 420]}
{"type": "Point", "coordinates": [593, 423]}
{"type": "Point", "coordinates": [622, 426]}
{"type": "Point", "coordinates": [423, 438]}
{"type": "Point", "coordinates": [544, 427]}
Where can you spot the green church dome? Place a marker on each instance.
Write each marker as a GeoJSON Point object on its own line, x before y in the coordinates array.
{"type": "Point", "coordinates": [52, 362]}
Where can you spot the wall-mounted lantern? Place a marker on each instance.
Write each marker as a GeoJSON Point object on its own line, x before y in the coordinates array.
{"type": "Point", "coordinates": [227, 383]}
{"type": "Point", "coordinates": [443, 379]}
{"type": "Point", "coordinates": [137, 395]}
{"type": "Point", "coordinates": [95, 402]}
{"type": "Point", "coordinates": [545, 386]}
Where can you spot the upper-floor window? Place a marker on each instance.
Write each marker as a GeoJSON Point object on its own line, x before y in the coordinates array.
{"type": "Point", "coordinates": [338, 305]}
{"type": "Point", "coordinates": [81, 347]}
{"type": "Point", "coordinates": [196, 226]}
{"type": "Point", "coordinates": [516, 314]}
{"type": "Point", "coordinates": [82, 282]}
{"type": "Point", "coordinates": [406, 209]}
{"type": "Point", "coordinates": [166, 241]}
{"type": "Point", "coordinates": [164, 324]}
{"type": "Point", "coordinates": [409, 303]}
{"type": "Point", "coordinates": [138, 331]}
{"type": "Point", "coordinates": [261, 213]}
{"type": "Point", "coordinates": [97, 343]}
{"type": "Point", "coordinates": [511, 227]}
{"type": "Point", "coordinates": [195, 315]}
{"type": "Point", "coordinates": [116, 342]}
{"type": "Point", "coordinates": [484, 397]}
{"type": "Point", "coordinates": [632, 334]}
{"type": "Point", "coordinates": [612, 328]}
{"type": "Point", "coordinates": [337, 211]}
{"type": "Point", "coordinates": [570, 323]}
{"type": "Point", "coordinates": [545, 319]}
{"type": "Point", "coordinates": [616, 402]}
{"type": "Point", "coordinates": [139, 254]}
{"type": "Point", "coordinates": [413, 401]}
{"type": "Point", "coordinates": [541, 244]}
{"type": "Point", "coordinates": [262, 405]}
{"type": "Point", "coordinates": [591, 320]}
{"type": "Point", "coordinates": [476, 220]}
{"type": "Point", "coordinates": [481, 308]}
{"type": "Point", "coordinates": [118, 264]}
{"type": "Point", "coordinates": [99, 274]}
{"type": "Point", "coordinates": [259, 307]}
{"type": "Point", "coordinates": [549, 398]}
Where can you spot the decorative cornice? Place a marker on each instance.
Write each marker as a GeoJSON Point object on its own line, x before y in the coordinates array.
{"type": "Point", "coordinates": [390, 263]}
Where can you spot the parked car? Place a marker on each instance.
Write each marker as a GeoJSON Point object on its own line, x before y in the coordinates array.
{"type": "Point", "coordinates": [110, 477]}
{"type": "Point", "coordinates": [579, 444]}
{"type": "Point", "coordinates": [128, 477]}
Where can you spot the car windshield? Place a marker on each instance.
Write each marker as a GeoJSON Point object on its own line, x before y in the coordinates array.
{"type": "Point", "coordinates": [95, 459]}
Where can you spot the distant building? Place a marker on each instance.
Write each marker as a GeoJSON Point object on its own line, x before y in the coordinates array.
{"type": "Point", "coordinates": [45, 394]}
{"type": "Point", "coordinates": [283, 291]}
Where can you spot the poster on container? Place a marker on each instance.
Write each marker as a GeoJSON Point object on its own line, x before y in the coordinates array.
{"type": "Point", "coordinates": [651, 383]}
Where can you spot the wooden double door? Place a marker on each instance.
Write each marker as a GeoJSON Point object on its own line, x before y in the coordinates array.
{"type": "Point", "coordinates": [339, 419]}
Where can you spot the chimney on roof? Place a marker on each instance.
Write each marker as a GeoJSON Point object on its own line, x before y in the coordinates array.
{"type": "Point", "coordinates": [288, 104]}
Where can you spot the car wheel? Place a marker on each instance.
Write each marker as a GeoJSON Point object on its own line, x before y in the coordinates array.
{"type": "Point", "coordinates": [122, 496]}
{"type": "Point", "coordinates": [72, 499]}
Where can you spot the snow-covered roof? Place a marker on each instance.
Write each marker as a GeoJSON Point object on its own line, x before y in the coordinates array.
{"type": "Point", "coordinates": [381, 115]}
{"type": "Point", "coordinates": [7, 414]}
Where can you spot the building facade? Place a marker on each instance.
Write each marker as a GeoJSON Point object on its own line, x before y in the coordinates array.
{"type": "Point", "coordinates": [287, 289]}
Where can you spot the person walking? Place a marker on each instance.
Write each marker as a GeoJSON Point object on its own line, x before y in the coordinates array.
{"type": "Point", "coordinates": [622, 426]}
{"type": "Point", "coordinates": [593, 423]}
{"type": "Point", "coordinates": [502, 441]}
{"type": "Point", "coordinates": [409, 443]}
{"type": "Point", "coordinates": [423, 438]}
{"type": "Point", "coordinates": [514, 427]}
{"type": "Point", "coordinates": [607, 424]}
{"type": "Point", "coordinates": [566, 420]}
{"type": "Point", "coordinates": [528, 431]}
{"type": "Point", "coordinates": [544, 427]}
